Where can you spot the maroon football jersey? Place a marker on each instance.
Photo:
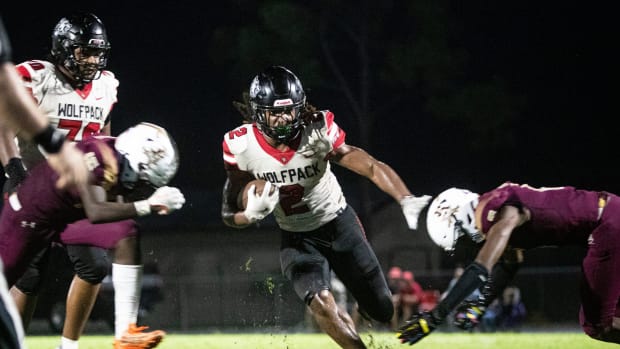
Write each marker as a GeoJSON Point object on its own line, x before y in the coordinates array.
{"type": "Point", "coordinates": [559, 216]}
{"type": "Point", "coordinates": [41, 202]}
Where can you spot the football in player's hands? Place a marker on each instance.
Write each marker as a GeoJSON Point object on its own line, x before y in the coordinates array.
{"type": "Point", "coordinates": [242, 199]}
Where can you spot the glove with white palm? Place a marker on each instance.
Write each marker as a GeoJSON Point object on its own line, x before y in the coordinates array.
{"type": "Point", "coordinates": [261, 205]}
{"type": "Point", "coordinates": [412, 206]}
{"type": "Point", "coordinates": [164, 200]}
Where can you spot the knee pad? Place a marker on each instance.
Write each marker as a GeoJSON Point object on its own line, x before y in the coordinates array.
{"type": "Point", "coordinates": [30, 282]}
{"type": "Point", "coordinates": [308, 280]}
{"type": "Point", "coordinates": [90, 263]}
{"type": "Point", "coordinates": [382, 310]}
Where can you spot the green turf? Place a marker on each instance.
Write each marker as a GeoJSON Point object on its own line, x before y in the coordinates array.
{"type": "Point", "coordinates": [374, 340]}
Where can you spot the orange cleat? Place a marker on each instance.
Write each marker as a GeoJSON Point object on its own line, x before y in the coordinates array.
{"type": "Point", "coordinates": [136, 338]}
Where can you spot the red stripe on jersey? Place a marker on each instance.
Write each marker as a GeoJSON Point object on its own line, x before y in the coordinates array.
{"type": "Point", "coordinates": [282, 156]}
{"type": "Point", "coordinates": [340, 134]}
{"type": "Point", "coordinates": [24, 73]}
{"type": "Point", "coordinates": [227, 152]}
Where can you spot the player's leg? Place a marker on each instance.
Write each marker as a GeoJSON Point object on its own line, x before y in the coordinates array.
{"type": "Point", "coordinates": [122, 237]}
{"type": "Point", "coordinates": [600, 286]}
{"type": "Point", "coordinates": [11, 330]}
{"type": "Point", "coordinates": [91, 265]}
{"type": "Point", "coordinates": [356, 264]}
{"type": "Point", "coordinates": [26, 290]}
{"type": "Point", "coordinates": [309, 272]}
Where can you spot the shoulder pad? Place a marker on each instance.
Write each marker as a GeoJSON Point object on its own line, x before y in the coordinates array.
{"type": "Point", "coordinates": [237, 139]}
{"type": "Point", "coordinates": [34, 70]}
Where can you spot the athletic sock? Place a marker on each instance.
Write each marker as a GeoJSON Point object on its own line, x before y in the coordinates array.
{"type": "Point", "coordinates": [127, 281]}
{"type": "Point", "coordinates": [66, 343]}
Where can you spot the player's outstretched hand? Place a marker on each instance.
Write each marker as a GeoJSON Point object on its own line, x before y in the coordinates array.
{"type": "Point", "coordinates": [412, 206]}
{"type": "Point", "coordinates": [417, 327]}
{"type": "Point", "coordinates": [70, 166]}
{"type": "Point", "coordinates": [259, 206]}
{"type": "Point", "coordinates": [468, 315]}
{"type": "Point", "coordinates": [166, 200]}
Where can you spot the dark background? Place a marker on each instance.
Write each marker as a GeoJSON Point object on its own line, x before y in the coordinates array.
{"type": "Point", "coordinates": [449, 93]}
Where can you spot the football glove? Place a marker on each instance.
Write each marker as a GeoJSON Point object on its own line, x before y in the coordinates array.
{"type": "Point", "coordinates": [468, 315]}
{"type": "Point", "coordinates": [163, 201]}
{"type": "Point", "coordinates": [418, 327]}
{"type": "Point", "coordinates": [15, 173]}
{"type": "Point", "coordinates": [412, 206]}
{"type": "Point", "coordinates": [259, 206]}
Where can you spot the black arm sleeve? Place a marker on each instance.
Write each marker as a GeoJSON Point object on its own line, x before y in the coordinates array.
{"type": "Point", "coordinates": [474, 276]}
{"type": "Point", "coordinates": [5, 45]}
{"type": "Point", "coordinates": [503, 272]}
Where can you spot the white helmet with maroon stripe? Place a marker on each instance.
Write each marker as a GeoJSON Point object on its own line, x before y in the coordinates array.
{"type": "Point", "coordinates": [451, 215]}
{"type": "Point", "coordinates": [150, 153]}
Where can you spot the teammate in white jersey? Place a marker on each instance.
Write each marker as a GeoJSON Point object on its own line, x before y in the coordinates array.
{"type": "Point", "coordinates": [291, 145]}
{"type": "Point", "coordinates": [76, 93]}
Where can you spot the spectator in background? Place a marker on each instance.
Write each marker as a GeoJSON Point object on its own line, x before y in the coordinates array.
{"type": "Point", "coordinates": [512, 310]}
{"type": "Point", "coordinates": [411, 295]}
{"type": "Point", "coordinates": [395, 283]}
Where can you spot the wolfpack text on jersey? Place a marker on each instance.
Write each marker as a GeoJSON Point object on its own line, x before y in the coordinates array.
{"type": "Point", "coordinates": [79, 112]}
{"type": "Point", "coordinates": [310, 194]}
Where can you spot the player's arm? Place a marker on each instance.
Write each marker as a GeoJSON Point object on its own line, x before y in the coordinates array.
{"type": "Point", "coordinates": [232, 215]}
{"type": "Point", "coordinates": [469, 313]}
{"type": "Point", "coordinates": [107, 129]}
{"type": "Point", "coordinates": [362, 163]}
{"type": "Point", "coordinates": [98, 210]}
{"type": "Point", "coordinates": [474, 276]}
{"type": "Point", "coordinates": [384, 177]}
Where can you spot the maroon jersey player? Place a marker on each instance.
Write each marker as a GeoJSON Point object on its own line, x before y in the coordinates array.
{"type": "Point", "coordinates": [516, 216]}
{"type": "Point", "coordinates": [140, 158]}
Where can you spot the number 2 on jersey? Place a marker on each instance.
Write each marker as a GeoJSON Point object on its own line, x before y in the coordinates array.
{"type": "Point", "coordinates": [290, 199]}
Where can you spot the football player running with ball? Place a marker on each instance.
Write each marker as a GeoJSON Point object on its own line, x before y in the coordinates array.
{"type": "Point", "coordinates": [516, 216]}
{"type": "Point", "coordinates": [291, 145]}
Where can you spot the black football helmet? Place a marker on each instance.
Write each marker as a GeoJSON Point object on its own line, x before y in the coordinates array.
{"type": "Point", "coordinates": [277, 90]}
{"type": "Point", "coordinates": [84, 31]}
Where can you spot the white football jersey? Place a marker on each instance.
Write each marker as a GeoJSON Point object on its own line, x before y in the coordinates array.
{"type": "Point", "coordinates": [79, 113]}
{"type": "Point", "coordinates": [310, 194]}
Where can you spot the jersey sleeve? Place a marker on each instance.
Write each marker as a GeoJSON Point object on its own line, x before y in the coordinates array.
{"type": "Point", "coordinates": [32, 74]}
{"type": "Point", "coordinates": [335, 134]}
{"type": "Point", "coordinates": [112, 90]}
{"type": "Point", "coordinates": [235, 143]}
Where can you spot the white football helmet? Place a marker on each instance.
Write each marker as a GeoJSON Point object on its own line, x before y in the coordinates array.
{"type": "Point", "coordinates": [450, 215]}
{"type": "Point", "coordinates": [151, 154]}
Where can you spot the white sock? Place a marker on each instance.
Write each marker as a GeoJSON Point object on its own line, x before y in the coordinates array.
{"type": "Point", "coordinates": [127, 281]}
{"type": "Point", "coordinates": [66, 343]}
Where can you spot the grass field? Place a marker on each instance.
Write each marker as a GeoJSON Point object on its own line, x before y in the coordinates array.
{"type": "Point", "coordinates": [372, 340]}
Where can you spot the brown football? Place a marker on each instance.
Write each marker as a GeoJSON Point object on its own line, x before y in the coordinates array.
{"type": "Point", "coordinates": [242, 199]}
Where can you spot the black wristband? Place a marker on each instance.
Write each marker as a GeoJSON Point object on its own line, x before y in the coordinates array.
{"type": "Point", "coordinates": [15, 169]}
{"type": "Point", "coordinates": [50, 139]}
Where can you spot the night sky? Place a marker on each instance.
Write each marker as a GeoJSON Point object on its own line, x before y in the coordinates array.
{"type": "Point", "coordinates": [549, 58]}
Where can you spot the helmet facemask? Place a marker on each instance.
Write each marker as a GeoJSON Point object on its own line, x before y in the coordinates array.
{"type": "Point", "coordinates": [282, 132]}
{"type": "Point", "coordinates": [80, 46]}
{"type": "Point", "coordinates": [277, 90]}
